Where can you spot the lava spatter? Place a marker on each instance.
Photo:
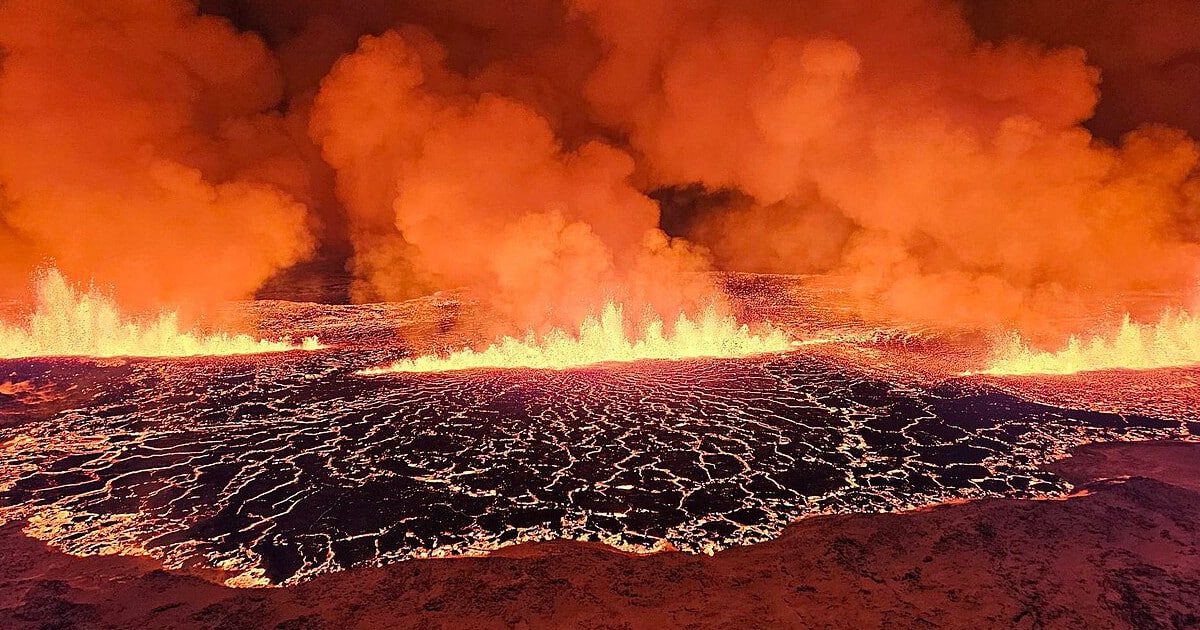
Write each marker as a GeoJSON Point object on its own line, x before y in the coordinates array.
{"type": "Point", "coordinates": [69, 322]}
{"type": "Point", "coordinates": [605, 340]}
{"type": "Point", "coordinates": [1173, 341]}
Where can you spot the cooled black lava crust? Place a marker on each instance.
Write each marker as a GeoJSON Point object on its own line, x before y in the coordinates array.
{"type": "Point", "coordinates": [293, 465]}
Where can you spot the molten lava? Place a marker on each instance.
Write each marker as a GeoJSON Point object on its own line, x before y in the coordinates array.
{"type": "Point", "coordinates": [1171, 342]}
{"type": "Point", "coordinates": [69, 322]}
{"type": "Point", "coordinates": [604, 340]}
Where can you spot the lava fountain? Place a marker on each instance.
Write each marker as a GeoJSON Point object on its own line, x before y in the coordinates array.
{"type": "Point", "coordinates": [69, 322]}
{"type": "Point", "coordinates": [604, 340]}
{"type": "Point", "coordinates": [1173, 341]}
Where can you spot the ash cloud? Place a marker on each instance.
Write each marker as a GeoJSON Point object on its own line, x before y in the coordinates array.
{"type": "Point", "coordinates": [982, 164]}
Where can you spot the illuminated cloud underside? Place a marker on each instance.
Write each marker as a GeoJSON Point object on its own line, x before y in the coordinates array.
{"type": "Point", "coordinates": [605, 341]}
{"type": "Point", "coordinates": [68, 322]}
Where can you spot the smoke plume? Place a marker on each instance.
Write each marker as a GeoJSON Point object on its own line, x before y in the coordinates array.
{"type": "Point", "coordinates": [447, 184]}
{"type": "Point", "coordinates": [952, 163]}
{"type": "Point", "coordinates": [1148, 53]}
{"type": "Point", "coordinates": [948, 178]}
{"type": "Point", "coordinates": [139, 146]}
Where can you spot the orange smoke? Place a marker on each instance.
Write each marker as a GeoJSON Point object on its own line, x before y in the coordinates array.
{"type": "Point", "coordinates": [139, 146]}
{"type": "Point", "coordinates": [945, 177]}
{"type": "Point", "coordinates": [1147, 52]}
{"type": "Point", "coordinates": [68, 322]}
{"type": "Point", "coordinates": [447, 186]}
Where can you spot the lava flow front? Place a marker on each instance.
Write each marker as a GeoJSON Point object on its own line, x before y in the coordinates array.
{"type": "Point", "coordinates": [70, 322]}
{"type": "Point", "coordinates": [604, 340]}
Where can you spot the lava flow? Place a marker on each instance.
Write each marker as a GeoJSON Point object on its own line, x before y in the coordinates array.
{"type": "Point", "coordinates": [604, 340]}
{"type": "Point", "coordinates": [1174, 341]}
{"type": "Point", "coordinates": [70, 322]}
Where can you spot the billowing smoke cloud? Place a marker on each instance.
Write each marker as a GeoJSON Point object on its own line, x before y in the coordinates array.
{"type": "Point", "coordinates": [138, 148]}
{"type": "Point", "coordinates": [949, 179]}
{"type": "Point", "coordinates": [936, 156]}
{"type": "Point", "coordinates": [449, 185]}
{"type": "Point", "coordinates": [1148, 53]}
{"type": "Point", "coordinates": [530, 50]}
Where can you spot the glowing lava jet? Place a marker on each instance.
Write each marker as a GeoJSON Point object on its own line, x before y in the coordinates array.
{"type": "Point", "coordinates": [68, 322]}
{"type": "Point", "coordinates": [604, 340]}
{"type": "Point", "coordinates": [1173, 341]}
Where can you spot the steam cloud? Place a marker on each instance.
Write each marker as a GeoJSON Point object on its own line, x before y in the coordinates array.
{"type": "Point", "coordinates": [513, 147]}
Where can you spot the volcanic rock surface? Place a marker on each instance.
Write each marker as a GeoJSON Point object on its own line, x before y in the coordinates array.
{"type": "Point", "coordinates": [278, 468]}
{"type": "Point", "coordinates": [1122, 552]}
{"type": "Point", "coordinates": [293, 469]}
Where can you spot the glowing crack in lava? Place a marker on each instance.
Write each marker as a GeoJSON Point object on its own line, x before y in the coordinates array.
{"type": "Point", "coordinates": [69, 322]}
{"type": "Point", "coordinates": [1173, 341]}
{"type": "Point", "coordinates": [604, 340]}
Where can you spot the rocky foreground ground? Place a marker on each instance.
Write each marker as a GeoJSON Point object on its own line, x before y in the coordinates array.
{"type": "Point", "coordinates": [1122, 552]}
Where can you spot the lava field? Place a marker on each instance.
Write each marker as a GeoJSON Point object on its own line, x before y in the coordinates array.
{"type": "Point", "coordinates": [279, 467]}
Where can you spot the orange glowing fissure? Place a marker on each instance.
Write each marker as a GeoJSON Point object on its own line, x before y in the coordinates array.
{"type": "Point", "coordinates": [70, 322]}
{"type": "Point", "coordinates": [1173, 341]}
{"type": "Point", "coordinates": [605, 340]}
